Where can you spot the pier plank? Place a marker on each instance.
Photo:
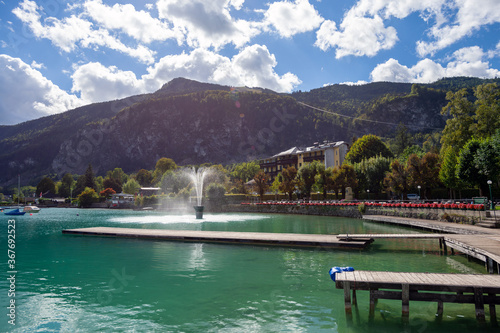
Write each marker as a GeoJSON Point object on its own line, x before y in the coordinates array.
{"type": "Point", "coordinates": [253, 238]}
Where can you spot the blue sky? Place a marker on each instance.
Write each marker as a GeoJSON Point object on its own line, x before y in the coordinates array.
{"type": "Point", "coordinates": [57, 55]}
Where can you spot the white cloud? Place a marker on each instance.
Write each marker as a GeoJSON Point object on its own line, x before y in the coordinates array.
{"type": "Point", "coordinates": [208, 23]}
{"type": "Point", "coordinates": [138, 24]}
{"type": "Point", "coordinates": [449, 20]}
{"type": "Point", "coordinates": [471, 16]}
{"type": "Point", "coordinates": [98, 83]}
{"type": "Point", "coordinates": [73, 31]}
{"type": "Point", "coordinates": [253, 66]}
{"type": "Point", "coordinates": [468, 61]}
{"type": "Point", "coordinates": [292, 18]}
{"type": "Point", "coordinates": [26, 94]}
{"type": "Point", "coordinates": [358, 36]}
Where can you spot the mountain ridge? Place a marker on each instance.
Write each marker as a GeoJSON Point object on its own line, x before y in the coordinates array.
{"type": "Point", "coordinates": [195, 122]}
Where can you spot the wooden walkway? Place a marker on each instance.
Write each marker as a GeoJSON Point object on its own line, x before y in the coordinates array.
{"type": "Point", "coordinates": [253, 238]}
{"type": "Point", "coordinates": [441, 288]}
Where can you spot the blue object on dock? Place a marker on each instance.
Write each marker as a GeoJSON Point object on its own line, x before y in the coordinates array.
{"type": "Point", "coordinates": [336, 269]}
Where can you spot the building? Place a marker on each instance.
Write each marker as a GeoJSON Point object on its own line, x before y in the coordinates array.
{"type": "Point", "coordinates": [331, 153]}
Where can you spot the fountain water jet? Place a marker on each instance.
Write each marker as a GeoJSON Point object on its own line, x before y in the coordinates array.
{"type": "Point", "coordinates": [198, 176]}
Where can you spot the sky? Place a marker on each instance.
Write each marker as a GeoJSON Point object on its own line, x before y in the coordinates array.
{"type": "Point", "coordinates": [57, 55]}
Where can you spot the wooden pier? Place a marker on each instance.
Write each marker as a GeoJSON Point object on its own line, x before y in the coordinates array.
{"type": "Point", "coordinates": [228, 237]}
{"type": "Point", "coordinates": [476, 289]}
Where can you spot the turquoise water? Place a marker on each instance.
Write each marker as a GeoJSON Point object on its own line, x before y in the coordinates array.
{"type": "Point", "coordinates": [68, 283]}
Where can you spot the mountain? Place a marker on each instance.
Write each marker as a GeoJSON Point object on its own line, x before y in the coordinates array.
{"type": "Point", "coordinates": [194, 122]}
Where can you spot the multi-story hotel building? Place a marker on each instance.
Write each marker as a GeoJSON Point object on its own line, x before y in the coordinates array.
{"type": "Point", "coordinates": [331, 153]}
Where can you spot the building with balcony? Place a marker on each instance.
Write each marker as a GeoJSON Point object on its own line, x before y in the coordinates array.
{"type": "Point", "coordinates": [331, 153]}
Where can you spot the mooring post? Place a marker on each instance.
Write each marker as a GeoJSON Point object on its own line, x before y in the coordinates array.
{"type": "Point", "coordinates": [347, 298]}
{"type": "Point", "coordinates": [405, 297]}
{"type": "Point", "coordinates": [479, 302]}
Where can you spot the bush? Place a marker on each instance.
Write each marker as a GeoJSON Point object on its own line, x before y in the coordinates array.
{"type": "Point", "coordinates": [87, 197]}
{"type": "Point", "coordinates": [216, 191]}
{"type": "Point", "coordinates": [362, 208]}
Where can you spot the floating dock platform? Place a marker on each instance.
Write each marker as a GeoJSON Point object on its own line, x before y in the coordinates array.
{"type": "Point", "coordinates": [476, 289]}
{"type": "Point", "coordinates": [226, 237]}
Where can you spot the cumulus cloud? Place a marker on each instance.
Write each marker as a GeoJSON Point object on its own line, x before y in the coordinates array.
{"type": "Point", "coordinates": [97, 83]}
{"type": "Point", "coordinates": [470, 61]}
{"type": "Point", "coordinates": [138, 24]}
{"type": "Point", "coordinates": [449, 20]}
{"type": "Point", "coordinates": [208, 23]}
{"type": "Point", "coordinates": [26, 94]}
{"type": "Point", "coordinates": [253, 66]}
{"type": "Point", "coordinates": [358, 36]}
{"type": "Point", "coordinates": [291, 18]}
{"type": "Point", "coordinates": [74, 31]}
{"type": "Point", "coordinates": [470, 17]}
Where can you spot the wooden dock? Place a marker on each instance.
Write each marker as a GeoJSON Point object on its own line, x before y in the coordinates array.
{"type": "Point", "coordinates": [228, 237]}
{"type": "Point", "coordinates": [441, 288]}
{"type": "Point", "coordinates": [484, 247]}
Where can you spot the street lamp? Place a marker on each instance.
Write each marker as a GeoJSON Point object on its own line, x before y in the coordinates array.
{"type": "Point", "coordinates": [418, 191]}
{"type": "Point", "coordinates": [368, 192]}
{"type": "Point", "coordinates": [491, 196]}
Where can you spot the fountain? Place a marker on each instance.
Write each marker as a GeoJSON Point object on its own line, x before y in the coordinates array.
{"type": "Point", "coordinates": [198, 176]}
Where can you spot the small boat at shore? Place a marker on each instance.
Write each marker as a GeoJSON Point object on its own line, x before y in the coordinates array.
{"type": "Point", "coordinates": [31, 209]}
{"type": "Point", "coordinates": [16, 211]}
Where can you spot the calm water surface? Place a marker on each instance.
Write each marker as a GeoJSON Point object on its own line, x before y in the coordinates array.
{"type": "Point", "coordinates": [89, 284]}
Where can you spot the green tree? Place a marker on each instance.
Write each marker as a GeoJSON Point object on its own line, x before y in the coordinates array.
{"type": "Point", "coordinates": [163, 165]}
{"type": "Point", "coordinates": [397, 180]}
{"type": "Point", "coordinates": [424, 171]}
{"type": "Point", "coordinates": [245, 171]}
{"type": "Point", "coordinates": [89, 180]}
{"type": "Point", "coordinates": [458, 128]}
{"type": "Point", "coordinates": [288, 181]}
{"type": "Point", "coordinates": [402, 140]}
{"type": "Point", "coordinates": [448, 171]}
{"type": "Point", "coordinates": [344, 177]}
{"type": "Point", "coordinates": [467, 168]}
{"type": "Point", "coordinates": [261, 183]}
{"type": "Point", "coordinates": [487, 113]}
{"type": "Point", "coordinates": [112, 183]}
{"type": "Point", "coordinates": [144, 177]}
{"type": "Point", "coordinates": [216, 191]}
{"type": "Point", "coordinates": [67, 182]}
{"type": "Point", "coordinates": [307, 173]}
{"type": "Point", "coordinates": [366, 147]}
{"type": "Point", "coordinates": [371, 173]}
{"type": "Point", "coordinates": [46, 185]}
{"type": "Point", "coordinates": [87, 197]}
{"type": "Point", "coordinates": [131, 186]}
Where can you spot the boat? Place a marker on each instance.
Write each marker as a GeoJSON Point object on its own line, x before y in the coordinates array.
{"type": "Point", "coordinates": [16, 211]}
{"type": "Point", "coordinates": [31, 209]}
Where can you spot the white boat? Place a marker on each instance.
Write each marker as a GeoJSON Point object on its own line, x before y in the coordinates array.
{"type": "Point", "coordinates": [31, 209]}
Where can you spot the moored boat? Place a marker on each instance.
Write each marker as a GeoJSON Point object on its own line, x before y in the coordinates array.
{"type": "Point", "coordinates": [31, 209]}
{"type": "Point", "coordinates": [16, 211]}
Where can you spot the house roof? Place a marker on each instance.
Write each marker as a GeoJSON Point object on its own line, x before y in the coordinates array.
{"type": "Point", "coordinates": [299, 150]}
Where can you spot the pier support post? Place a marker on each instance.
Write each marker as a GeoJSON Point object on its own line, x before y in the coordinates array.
{"type": "Point", "coordinates": [405, 296]}
{"type": "Point", "coordinates": [493, 311]}
{"type": "Point", "coordinates": [372, 303]}
{"type": "Point", "coordinates": [440, 309]}
{"type": "Point", "coordinates": [347, 298]}
{"type": "Point", "coordinates": [479, 302]}
{"type": "Point", "coordinates": [445, 248]}
{"type": "Point", "coordinates": [490, 266]}
{"type": "Point", "coordinates": [354, 298]}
